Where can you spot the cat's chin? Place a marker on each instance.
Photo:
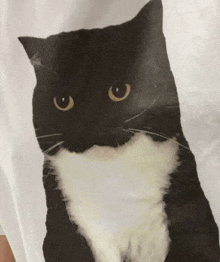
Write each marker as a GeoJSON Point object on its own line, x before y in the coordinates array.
{"type": "Point", "coordinates": [105, 139]}
{"type": "Point", "coordinates": [81, 148]}
{"type": "Point", "coordinates": [114, 138]}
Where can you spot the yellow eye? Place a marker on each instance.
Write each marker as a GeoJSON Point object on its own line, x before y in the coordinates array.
{"type": "Point", "coordinates": [63, 103]}
{"type": "Point", "coordinates": [118, 94]}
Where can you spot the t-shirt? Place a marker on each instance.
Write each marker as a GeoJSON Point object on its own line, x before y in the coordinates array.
{"type": "Point", "coordinates": [1, 231]}
{"type": "Point", "coordinates": [192, 34]}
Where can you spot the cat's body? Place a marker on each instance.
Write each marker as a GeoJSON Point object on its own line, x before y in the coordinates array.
{"type": "Point", "coordinates": [120, 179]}
{"type": "Point", "coordinates": [115, 196]}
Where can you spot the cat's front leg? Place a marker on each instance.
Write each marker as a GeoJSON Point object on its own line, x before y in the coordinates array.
{"type": "Point", "coordinates": [63, 242]}
{"type": "Point", "coordinates": [66, 248]}
{"type": "Point", "coordinates": [106, 252]}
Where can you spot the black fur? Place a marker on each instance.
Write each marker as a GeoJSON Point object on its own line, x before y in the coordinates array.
{"type": "Point", "coordinates": [62, 242]}
{"type": "Point", "coordinates": [84, 64]}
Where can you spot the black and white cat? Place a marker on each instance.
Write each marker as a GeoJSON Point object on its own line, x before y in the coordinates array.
{"type": "Point", "coordinates": [120, 179]}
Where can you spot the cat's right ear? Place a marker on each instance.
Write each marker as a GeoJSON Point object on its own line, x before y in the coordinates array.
{"type": "Point", "coordinates": [34, 48]}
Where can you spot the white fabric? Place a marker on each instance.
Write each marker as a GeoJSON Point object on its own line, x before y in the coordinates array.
{"type": "Point", "coordinates": [1, 231]}
{"type": "Point", "coordinates": [192, 32]}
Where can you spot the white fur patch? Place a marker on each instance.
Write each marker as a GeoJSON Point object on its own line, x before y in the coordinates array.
{"type": "Point", "coordinates": [115, 195]}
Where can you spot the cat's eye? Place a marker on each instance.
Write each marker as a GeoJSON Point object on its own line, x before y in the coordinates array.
{"type": "Point", "coordinates": [118, 94]}
{"type": "Point", "coordinates": [63, 103]}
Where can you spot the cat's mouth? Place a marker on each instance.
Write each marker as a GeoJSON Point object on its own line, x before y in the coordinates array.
{"type": "Point", "coordinates": [111, 137]}
{"type": "Point", "coordinates": [50, 144]}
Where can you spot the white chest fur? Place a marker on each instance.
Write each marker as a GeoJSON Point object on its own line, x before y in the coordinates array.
{"type": "Point", "coordinates": [115, 196]}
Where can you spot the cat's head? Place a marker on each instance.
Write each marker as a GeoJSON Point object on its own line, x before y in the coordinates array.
{"type": "Point", "coordinates": [95, 87]}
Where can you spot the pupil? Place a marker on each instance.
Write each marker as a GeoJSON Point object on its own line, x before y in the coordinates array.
{"type": "Point", "coordinates": [63, 101]}
{"type": "Point", "coordinates": [119, 91]}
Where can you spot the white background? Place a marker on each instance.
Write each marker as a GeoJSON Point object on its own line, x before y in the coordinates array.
{"type": "Point", "coordinates": [192, 30]}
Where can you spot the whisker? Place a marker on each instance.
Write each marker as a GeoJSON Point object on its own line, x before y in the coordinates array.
{"type": "Point", "coordinates": [136, 116]}
{"type": "Point", "coordinates": [147, 132]}
{"type": "Point", "coordinates": [47, 142]}
{"type": "Point", "coordinates": [134, 131]}
{"type": "Point", "coordinates": [117, 142]}
{"type": "Point", "coordinates": [52, 147]}
{"type": "Point", "coordinates": [127, 130]}
{"type": "Point", "coordinates": [141, 113]}
{"type": "Point", "coordinates": [172, 106]}
{"type": "Point", "coordinates": [49, 135]}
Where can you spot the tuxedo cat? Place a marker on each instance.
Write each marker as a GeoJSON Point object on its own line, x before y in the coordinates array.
{"type": "Point", "coordinates": [120, 180]}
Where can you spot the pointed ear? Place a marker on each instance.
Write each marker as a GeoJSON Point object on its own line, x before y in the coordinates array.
{"type": "Point", "coordinates": [34, 48]}
{"type": "Point", "coordinates": [151, 15]}
{"type": "Point", "coordinates": [32, 45]}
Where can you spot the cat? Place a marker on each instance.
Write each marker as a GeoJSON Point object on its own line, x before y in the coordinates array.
{"type": "Point", "coordinates": [120, 180]}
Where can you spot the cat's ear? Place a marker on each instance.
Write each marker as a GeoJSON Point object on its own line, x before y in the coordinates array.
{"type": "Point", "coordinates": [150, 16]}
{"type": "Point", "coordinates": [34, 48]}
{"type": "Point", "coordinates": [39, 52]}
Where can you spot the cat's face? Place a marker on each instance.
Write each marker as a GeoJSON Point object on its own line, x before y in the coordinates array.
{"type": "Point", "coordinates": [94, 87]}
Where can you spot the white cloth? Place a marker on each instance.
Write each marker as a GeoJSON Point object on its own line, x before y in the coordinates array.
{"type": "Point", "coordinates": [192, 32]}
{"type": "Point", "coordinates": [1, 231]}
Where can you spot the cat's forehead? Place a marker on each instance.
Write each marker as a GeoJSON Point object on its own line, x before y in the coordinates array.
{"type": "Point", "coordinates": [83, 52]}
{"type": "Point", "coordinates": [118, 51]}
{"type": "Point", "coordinates": [146, 25]}
{"type": "Point", "coordinates": [82, 43]}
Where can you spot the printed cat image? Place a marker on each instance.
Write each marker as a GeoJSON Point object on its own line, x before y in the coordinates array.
{"type": "Point", "coordinates": [120, 180]}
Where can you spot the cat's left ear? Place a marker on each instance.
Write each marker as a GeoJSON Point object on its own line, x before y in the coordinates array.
{"type": "Point", "coordinates": [34, 48]}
